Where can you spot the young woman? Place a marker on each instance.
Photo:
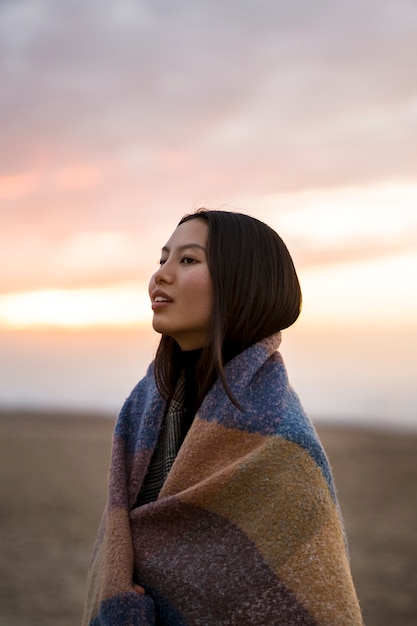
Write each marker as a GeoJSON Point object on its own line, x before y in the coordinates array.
{"type": "Point", "coordinates": [221, 507]}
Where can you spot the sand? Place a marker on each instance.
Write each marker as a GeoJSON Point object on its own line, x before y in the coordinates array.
{"type": "Point", "coordinates": [53, 484]}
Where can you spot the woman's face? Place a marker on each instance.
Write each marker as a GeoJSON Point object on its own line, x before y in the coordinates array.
{"type": "Point", "coordinates": [181, 290]}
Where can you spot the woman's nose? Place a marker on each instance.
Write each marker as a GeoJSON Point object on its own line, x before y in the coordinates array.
{"type": "Point", "coordinates": [163, 274]}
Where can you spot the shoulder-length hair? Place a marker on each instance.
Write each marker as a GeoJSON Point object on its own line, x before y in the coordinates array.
{"type": "Point", "coordinates": [256, 293]}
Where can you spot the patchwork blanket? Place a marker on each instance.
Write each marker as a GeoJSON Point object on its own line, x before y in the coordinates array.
{"type": "Point", "coordinates": [247, 528]}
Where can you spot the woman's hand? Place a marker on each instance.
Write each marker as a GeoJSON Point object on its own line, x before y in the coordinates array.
{"type": "Point", "coordinates": [138, 589]}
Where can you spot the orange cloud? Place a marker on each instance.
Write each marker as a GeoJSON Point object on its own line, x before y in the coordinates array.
{"type": "Point", "coordinates": [118, 305]}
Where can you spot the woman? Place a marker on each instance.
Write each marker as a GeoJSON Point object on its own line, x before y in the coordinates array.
{"type": "Point", "coordinates": [221, 508]}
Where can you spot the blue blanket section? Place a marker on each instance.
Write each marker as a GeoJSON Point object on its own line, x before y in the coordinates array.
{"type": "Point", "coordinates": [126, 608]}
{"type": "Point", "coordinates": [141, 416]}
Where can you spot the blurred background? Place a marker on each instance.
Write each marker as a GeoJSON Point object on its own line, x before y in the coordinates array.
{"type": "Point", "coordinates": [118, 117]}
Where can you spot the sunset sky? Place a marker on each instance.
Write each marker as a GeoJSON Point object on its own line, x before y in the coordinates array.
{"type": "Point", "coordinates": [117, 117]}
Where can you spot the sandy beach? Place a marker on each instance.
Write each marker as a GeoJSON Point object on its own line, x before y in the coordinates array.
{"type": "Point", "coordinates": [53, 486]}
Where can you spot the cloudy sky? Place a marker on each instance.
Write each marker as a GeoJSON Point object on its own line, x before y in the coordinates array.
{"type": "Point", "coordinates": [117, 117]}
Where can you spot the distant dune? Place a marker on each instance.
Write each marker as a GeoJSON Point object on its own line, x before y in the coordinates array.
{"type": "Point", "coordinates": [53, 485]}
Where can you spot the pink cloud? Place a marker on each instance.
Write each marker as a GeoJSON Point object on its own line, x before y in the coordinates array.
{"type": "Point", "coordinates": [76, 178]}
{"type": "Point", "coordinates": [17, 185]}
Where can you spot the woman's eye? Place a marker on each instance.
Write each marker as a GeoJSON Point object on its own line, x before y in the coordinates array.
{"type": "Point", "coordinates": [186, 260]}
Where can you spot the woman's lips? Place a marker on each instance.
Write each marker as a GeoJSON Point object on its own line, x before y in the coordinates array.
{"type": "Point", "coordinates": [160, 301]}
{"type": "Point", "coordinates": [160, 305]}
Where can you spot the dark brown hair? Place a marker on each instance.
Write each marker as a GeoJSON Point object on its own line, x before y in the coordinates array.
{"type": "Point", "coordinates": [256, 293]}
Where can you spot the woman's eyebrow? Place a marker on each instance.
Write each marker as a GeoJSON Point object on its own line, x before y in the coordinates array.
{"type": "Point", "coordinates": [184, 247]}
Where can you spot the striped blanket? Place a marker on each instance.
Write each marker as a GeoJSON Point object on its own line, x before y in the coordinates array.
{"type": "Point", "coordinates": [246, 529]}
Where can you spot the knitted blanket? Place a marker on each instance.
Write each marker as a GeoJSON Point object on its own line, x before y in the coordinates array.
{"type": "Point", "coordinates": [246, 529]}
